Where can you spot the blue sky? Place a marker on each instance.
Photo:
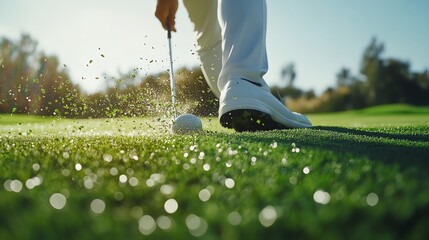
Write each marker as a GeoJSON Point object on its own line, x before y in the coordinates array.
{"type": "Point", "coordinates": [319, 37]}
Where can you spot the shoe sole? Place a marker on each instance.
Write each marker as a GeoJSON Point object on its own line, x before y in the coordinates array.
{"type": "Point", "coordinates": [248, 120]}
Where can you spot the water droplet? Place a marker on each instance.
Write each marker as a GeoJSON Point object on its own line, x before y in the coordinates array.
{"type": "Point", "coordinates": [113, 171]}
{"type": "Point", "coordinates": [88, 183]}
{"type": "Point", "coordinates": [65, 172]}
{"type": "Point", "coordinates": [166, 189]}
{"type": "Point", "coordinates": [306, 170]}
{"type": "Point", "coordinates": [36, 167]}
{"type": "Point", "coordinates": [147, 225]}
{"type": "Point", "coordinates": [7, 185]}
{"type": "Point", "coordinates": [119, 196]}
{"type": "Point", "coordinates": [229, 183]}
{"type": "Point", "coordinates": [133, 181]}
{"type": "Point", "coordinates": [204, 195]}
{"type": "Point", "coordinates": [97, 206]}
{"type": "Point", "coordinates": [171, 206]}
{"type": "Point", "coordinates": [107, 157]}
{"type": "Point", "coordinates": [206, 167]}
{"type": "Point", "coordinates": [267, 216]}
{"type": "Point", "coordinates": [58, 201]}
{"type": "Point", "coordinates": [78, 167]}
{"type": "Point", "coordinates": [164, 222]}
{"type": "Point", "coordinates": [321, 197]}
{"type": "Point", "coordinates": [372, 199]}
{"type": "Point", "coordinates": [137, 212]}
{"type": "Point", "coordinates": [293, 180]}
{"type": "Point", "coordinates": [16, 186]}
{"type": "Point", "coordinates": [197, 226]}
{"type": "Point", "coordinates": [234, 218]}
{"type": "Point", "coordinates": [274, 145]}
{"type": "Point", "coordinates": [66, 155]}
{"type": "Point", "coordinates": [123, 178]}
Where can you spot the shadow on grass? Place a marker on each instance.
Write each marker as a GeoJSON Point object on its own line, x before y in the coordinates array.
{"type": "Point", "coordinates": [408, 150]}
{"type": "Point", "coordinates": [409, 137]}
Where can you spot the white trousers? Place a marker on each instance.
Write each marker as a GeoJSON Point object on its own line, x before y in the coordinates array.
{"type": "Point", "coordinates": [230, 40]}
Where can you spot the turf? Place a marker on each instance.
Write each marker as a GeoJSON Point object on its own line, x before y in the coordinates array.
{"type": "Point", "coordinates": [122, 179]}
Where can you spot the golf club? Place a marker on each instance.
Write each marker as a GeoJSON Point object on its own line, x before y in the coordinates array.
{"type": "Point", "coordinates": [172, 83]}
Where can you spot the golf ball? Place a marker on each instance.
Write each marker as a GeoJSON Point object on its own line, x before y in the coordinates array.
{"type": "Point", "coordinates": [186, 123]}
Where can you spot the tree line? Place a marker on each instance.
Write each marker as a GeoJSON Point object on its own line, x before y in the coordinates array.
{"type": "Point", "coordinates": [32, 82]}
{"type": "Point", "coordinates": [380, 81]}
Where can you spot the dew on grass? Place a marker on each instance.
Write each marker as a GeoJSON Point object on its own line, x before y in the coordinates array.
{"type": "Point", "coordinates": [66, 155]}
{"type": "Point", "coordinates": [253, 161]}
{"type": "Point", "coordinates": [15, 186]}
{"type": "Point", "coordinates": [6, 185]}
{"type": "Point", "coordinates": [136, 212]}
{"type": "Point", "coordinates": [296, 150]}
{"type": "Point", "coordinates": [229, 183]}
{"type": "Point", "coordinates": [150, 182]}
{"type": "Point", "coordinates": [57, 201]}
{"type": "Point", "coordinates": [372, 199]}
{"type": "Point", "coordinates": [164, 222]}
{"type": "Point", "coordinates": [157, 177]}
{"type": "Point", "coordinates": [88, 182]}
{"type": "Point", "coordinates": [167, 189]}
{"type": "Point", "coordinates": [267, 216]}
{"type": "Point", "coordinates": [293, 180]}
{"type": "Point", "coordinates": [107, 157]}
{"type": "Point", "coordinates": [133, 181]}
{"type": "Point", "coordinates": [65, 172]}
{"type": "Point", "coordinates": [321, 197]}
{"type": "Point", "coordinates": [113, 171]}
{"type": "Point", "coordinates": [36, 167]}
{"type": "Point", "coordinates": [274, 145]}
{"type": "Point", "coordinates": [204, 195]}
{"type": "Point", "coordinates": [171, 206]}
{"type": "Point", "coordinates": [206, 167]}
{"type": "Point", "coordinates": [123, 178]}
{"type": "Point", "coordinates": [306, 170]}
{"type": "Point", "coordinates": [210, 189]}
{"type": "Point", "coordinates": [234, 218]}
{"type": "Point", "coordinates": [78, 167]}
{"type": "Point", "coordinates": [119, 196]}
{"type": "Point", "coordinates": [232, 152]}
{"type": "Point", "coordinates": [228, 164]}
{"type": "Point", "coordinates": [147, 225]}
{"type": "Point", "coordinates": [130, 171]}
{"type": "Point", "coordinates": [186, 166]}
{"type": "Point", "coordinates": [97, 206]}
{"type": "Point", "coordinates": [197, 226]}
{"type": "Point", "coordinates": [34, 182]}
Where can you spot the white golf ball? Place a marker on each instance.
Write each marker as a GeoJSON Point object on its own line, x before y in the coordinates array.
{"type": "Point", "coordinates": [186, 123]}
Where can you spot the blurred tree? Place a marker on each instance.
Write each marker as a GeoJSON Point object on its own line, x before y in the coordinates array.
{"type": "Point", "coordinates": [288, 74]}
{"type": "Point", "coordinates": [32, 82]}
{"type": "Point", "coordinates": [371, 67]}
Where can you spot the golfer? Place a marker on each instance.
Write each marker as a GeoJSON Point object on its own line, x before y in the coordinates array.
{"type": "Point", "coordinates": [230, 38]}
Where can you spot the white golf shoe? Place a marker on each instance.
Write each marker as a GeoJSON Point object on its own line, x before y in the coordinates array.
{"type": "Point", "coordinates": [247, 106]}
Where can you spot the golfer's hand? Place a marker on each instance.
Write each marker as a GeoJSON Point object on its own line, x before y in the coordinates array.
{"type": "Point", "coordinates": [166, 13]}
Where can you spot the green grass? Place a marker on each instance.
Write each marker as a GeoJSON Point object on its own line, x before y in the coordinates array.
{"type": "Point", "coordinates": [338, 180]}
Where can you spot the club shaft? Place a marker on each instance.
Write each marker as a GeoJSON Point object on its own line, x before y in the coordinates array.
{"type": "Point", "coordinates": [172, 83]}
